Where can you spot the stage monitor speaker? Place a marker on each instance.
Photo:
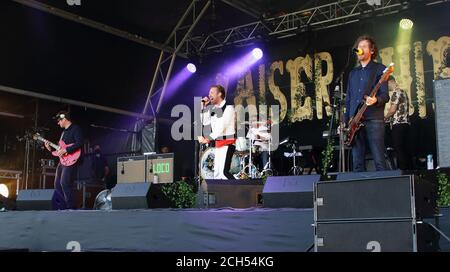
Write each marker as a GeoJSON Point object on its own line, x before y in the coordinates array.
{"type": "Point", "coordinates": [442, 107]}
{"type": "Point", "coordinates": [36, 199]}
{"type": "Point", "coordinates": [131, 196]}
{"type": "Point", "coordinates": [230, 193]}
{"type": "Point", "coordinates": [375, 236]}
{"type": "Point", "coordinates": [131, 169]}
{"type": "Point", "coordinates": [401, 197]}
{"type": "Point", "coordinates": [289, 191]}
{"type": "Point", "coordinates": [368, 175]}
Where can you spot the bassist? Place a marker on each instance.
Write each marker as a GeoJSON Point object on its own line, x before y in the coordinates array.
{"type": "Point", "coordinates": [360, 83]}
{"type": "Point", "coordinates": [64, 177]}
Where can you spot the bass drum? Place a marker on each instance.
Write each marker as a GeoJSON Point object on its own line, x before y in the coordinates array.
{"type": "Point", "coordinates": [207, 164]}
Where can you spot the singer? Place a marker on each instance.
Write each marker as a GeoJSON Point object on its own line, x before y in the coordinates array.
{"type": "Point", "coordinates": [358, 51]}
{"type": "Point", "coordinates": [361, 81]}
{"type": "Point", "coordinates": [222, 119]}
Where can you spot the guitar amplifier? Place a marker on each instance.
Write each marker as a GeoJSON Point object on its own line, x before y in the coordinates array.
{"type": "Point", "coordinates": [131, 169]}
{"type": "Point", "coordinates": [159, 168]}
{"type": "Point", "coordinates": [154, 168]}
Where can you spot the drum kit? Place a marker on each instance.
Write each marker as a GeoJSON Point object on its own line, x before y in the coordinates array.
{"type": "Point", "coordinates": [257, 140]}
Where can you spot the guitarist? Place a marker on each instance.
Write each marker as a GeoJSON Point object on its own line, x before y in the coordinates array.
{"type": "Point", "coordinates": [361, 81]}
{"type": "Point", "coordinates": [64, 177]}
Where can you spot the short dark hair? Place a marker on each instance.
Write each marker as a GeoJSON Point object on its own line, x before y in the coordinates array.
{"type": "Point", "coordinates": [373, 44]}
{"type": "Point", "coordinates": [220, 89]}
{"type": "Point", "coordinates": [61, 115]}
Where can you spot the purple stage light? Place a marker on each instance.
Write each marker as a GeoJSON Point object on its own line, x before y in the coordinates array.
{"type": "Point", "coordinates": [191, 68]}
{"type": "Point", "coordinates": [257, 53]}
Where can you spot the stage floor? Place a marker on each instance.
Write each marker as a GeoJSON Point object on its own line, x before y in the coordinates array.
{"type": "Point", "coordinates": [159, 230]}
{"type": "Point", "coordinates": [166, 230]}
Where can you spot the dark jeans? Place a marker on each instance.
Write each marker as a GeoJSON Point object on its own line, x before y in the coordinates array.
{"type": "Point", "coordinates": [400, 141]}
{"type": "Point", "coordinates": [64, 187]}
{"type": "Point", "coordinates": [373, 132]}
{"type": "Point", "coordinates": [264, 156]}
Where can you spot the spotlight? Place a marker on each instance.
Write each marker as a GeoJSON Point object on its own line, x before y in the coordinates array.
{"type": "Point", "coordinates": [191, 68]}
{"type": "Point", "coordinates": [257, 53]}
{"type": "Point", "coordinates": [103, 200]}
{"type": "Point", "coordinates": [406, 24]}
{"type": "Point", "coordinates": [4, 190]}
{"type": "Point", "coordinates": [374, 2]}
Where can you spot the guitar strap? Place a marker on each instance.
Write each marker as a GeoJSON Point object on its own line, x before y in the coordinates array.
{"type": "Point", "coordinates": [370, 82]}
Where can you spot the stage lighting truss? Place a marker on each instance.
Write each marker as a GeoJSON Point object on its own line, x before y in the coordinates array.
{"type": "Point", "coordinates": [325, 16]}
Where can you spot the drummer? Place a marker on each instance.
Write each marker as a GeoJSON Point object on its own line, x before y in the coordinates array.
{"type": "Point", "coordinates": [260, 136]}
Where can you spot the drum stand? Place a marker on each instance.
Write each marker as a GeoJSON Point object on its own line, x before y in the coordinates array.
{"type": "Point", "coordinates": [252, 169]}
{"type": "Point", "coordinates": [267, 169]}
{"type": "Point", "coordinates": [295, 170]}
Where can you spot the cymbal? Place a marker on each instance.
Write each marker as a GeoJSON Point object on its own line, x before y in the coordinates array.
{"type": "Point", "coordinates": [295, 154]}
{"type": "Point", "coordinates": [254, 123]}
{"type": "Point", "coordinates": [258, 130]}
{"type": "Point", "coordinates": [261, 143]}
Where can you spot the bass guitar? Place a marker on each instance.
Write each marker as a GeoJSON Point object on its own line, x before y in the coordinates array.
{"type": "Point", "coordinates": [355, 123]}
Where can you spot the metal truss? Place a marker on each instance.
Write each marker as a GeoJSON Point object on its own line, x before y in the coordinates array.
{"type": "Point", "coordinates": [177, 38]}
{"type": "Point", "coordinates": [326, 16]}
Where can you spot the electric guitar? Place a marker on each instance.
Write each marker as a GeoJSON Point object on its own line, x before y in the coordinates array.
{"type": "Point", "coordinates": [66, 159]}
{"type": "Point", "coordinates": [355, 122]}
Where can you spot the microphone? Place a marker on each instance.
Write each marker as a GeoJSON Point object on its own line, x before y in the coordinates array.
{"type": "Point", "coordinates": [358, 51]}
{"type": "Point", "coordinates": [205, 100]}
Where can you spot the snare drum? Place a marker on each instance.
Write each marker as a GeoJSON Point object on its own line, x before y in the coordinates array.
{"type": "Point", "coordinates": [242, 144]}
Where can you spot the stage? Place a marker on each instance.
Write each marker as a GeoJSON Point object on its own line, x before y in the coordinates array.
{"type": "Point", "coordinates": [160, 230]}
{"type": "Point", "coordinates": [167, 230]}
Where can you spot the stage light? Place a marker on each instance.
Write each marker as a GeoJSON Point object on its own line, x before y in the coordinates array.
{"type": "Point", "coordinates": [257, 53]}
{"type": "Point", "coordinates": [374, 2]}
{"type": "Point", "coordinates": [406, 24]}
{"type": "Point", "coordinates": [191, 68]}
{"type": "Point", "coordinates": [103, 201]}
{"type": "Point", "coordinates": [4, 190]}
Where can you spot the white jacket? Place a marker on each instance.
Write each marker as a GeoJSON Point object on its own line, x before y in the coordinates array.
{"type": "Point", "coordinates": [224, 125]}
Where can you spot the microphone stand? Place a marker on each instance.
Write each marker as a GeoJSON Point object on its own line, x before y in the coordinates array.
{"type": "Point", "coordinates": [342, 161]}
{"type": "Point", "coordinates": [340, 82]}
{"type": "Point", "coordinates": [197, 149]}
{"type": "Point", "coordinates": [330, 131]}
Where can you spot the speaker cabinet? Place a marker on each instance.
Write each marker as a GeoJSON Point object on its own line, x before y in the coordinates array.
{"type": "Point", "coordinates": [36, 199]}
{"type": "Point", "coordinates": [289, 191]}
{"type": "Point", "coordinates": [230, 193]}
{"type": "Point", "coordinates": [375, 236]}
{"type": "Point", "coordinates": [442, 105]}
{"type": "Point", "coordinates": [399, 197]}
{"type": "Point", "coordinates": [131, 196]}
{"type": "Point", "coordinates": [367, 175]}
